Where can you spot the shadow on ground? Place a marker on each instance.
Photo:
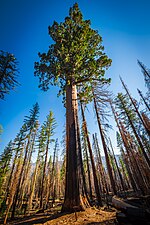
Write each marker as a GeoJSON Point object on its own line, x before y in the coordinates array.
{"type": "Point", "coordinates": [36, 218]}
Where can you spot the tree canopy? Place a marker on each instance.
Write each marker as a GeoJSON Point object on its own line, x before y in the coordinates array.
{"type": "Point", "coordinates": [76, 56]}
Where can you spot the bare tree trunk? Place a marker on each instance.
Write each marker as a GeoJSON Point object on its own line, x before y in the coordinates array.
{"type": "Point", "coordinates": [20, 176]}
{"type": "Point", "coordinates": [44, 174]}
{"type": "Point", "coordinates": [99, 162]}
{"type": "Point", "coordinates": [88, 168]}
{"type": "Point", "coordinates": [137, 136]}
{"type": "Point", "coordinates": [24, 181]}
{"type": "Point", "coordinates": [82, 186]}
{"type": "Point", "coordinates": [126, 147]}
{"type": "Point", "coordinates": [13, 189]}
{"type": "Point", "coordinates": [119, 173]}
{"type": "Point", "coordinates": [33, 183]}
{"type": "Point", "coordinates": [136, 109]}
{"type": "Point", "coordinates": [97, 191]}
{"type": "Point", "coordinates": [105, 149]}
{"type": "Point", "coordinates": [140, 93]}
{"type": "Point", "coordinates": [11, 174]}
{"type": "Point", "coordinates": [53, 175]}
{"type": "Point", "coordinates": [129, 170]}
{"type": "Point", "coordinates": [49, 181]}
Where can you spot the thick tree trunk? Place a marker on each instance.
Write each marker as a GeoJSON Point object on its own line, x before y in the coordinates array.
{"type": "Point", "coordinates": [72, 200]}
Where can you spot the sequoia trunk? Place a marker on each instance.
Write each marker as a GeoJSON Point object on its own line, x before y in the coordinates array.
{"type": "Point", "coordinates": [72, 196]}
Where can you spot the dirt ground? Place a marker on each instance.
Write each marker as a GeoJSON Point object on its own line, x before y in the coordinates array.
{"type": "Point", "coordinates": [53, 217]}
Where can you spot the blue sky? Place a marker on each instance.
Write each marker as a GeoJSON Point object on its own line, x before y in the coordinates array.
{"type": "Point", "coordinates": [123, 25]}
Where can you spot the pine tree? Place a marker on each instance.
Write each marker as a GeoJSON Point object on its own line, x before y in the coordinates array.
{"type": "Point", "coordinates": [8, 73]}
{"type": "Point", "coordinates": [135, 107]}
{"type": "Point", "coordinates": [49, 127]}
{"type": "Point", "coordinates": [17, 146]}
{"type": "Point", "coordinates": [128, 116]}
{"type": "Point", "coordinates": [30, 123]}
{"type": "Point", "coordinates": [41, 149]}
{"type": "Point", "coordinates": [5, 160]}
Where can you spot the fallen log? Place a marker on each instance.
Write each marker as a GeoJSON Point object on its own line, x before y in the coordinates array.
{"type": "Point", "coordinates": [128, 209]}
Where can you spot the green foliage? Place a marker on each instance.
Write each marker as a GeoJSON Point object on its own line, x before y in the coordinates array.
{"type": "Point", "coordinates": [46, 132]}
{"type": "Point", "coordinates": [112, 162]}
{"type": "Point", "coordinates": [122, 164]}
{"type": "Point", "coordinates": [5, 159]}
{"type": "Point", "coordinates": [75, 57]}
{"type": "Point", "coordinates": [8, 73]}
{"type": "Point", "coordinates": [49, 125]}
{"type": "Point", "coordinates": [124, 108]}
{"type": "Point", "coordinates": [31, 120]}
{"type": "Point", "coordinates": [119, 140]}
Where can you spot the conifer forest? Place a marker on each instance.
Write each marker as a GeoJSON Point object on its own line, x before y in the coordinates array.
{"type": "Point", "coordinates": [73, 182]}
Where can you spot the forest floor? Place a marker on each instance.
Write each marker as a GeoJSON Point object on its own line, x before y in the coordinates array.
{"type": "Point", "coordinates": [90, 216]}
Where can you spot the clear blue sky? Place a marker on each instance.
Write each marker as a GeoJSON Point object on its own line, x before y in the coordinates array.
{"type": "Point", "coordinates": [124, 26]}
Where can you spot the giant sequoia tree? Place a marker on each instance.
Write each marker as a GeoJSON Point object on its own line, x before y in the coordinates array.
{"type": "Point", "coordinates": [75, 58]}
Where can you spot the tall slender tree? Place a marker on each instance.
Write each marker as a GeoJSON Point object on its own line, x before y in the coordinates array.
{"type": "Point", "coordinates": [135, 107]}
{"type": "Point", "coordinates": [101, 98]}
{"type": "Point", "coordinates": [97, 190]}
{"type": "Point", "coordinates": [126, 112]}
{"type": "Point", "coordinates": [49, 127]}
{"type": "Point", "coordinates": [18, 146]}
{"type": "Point", "coordinates": [5, 160]}
{"type": "Point", "coordinates": [75, 58]}
{"type": "Point", "coordinates": [86, 163]}
{"type": "Point", "coordinates": [146, 73]}
{"type": "Point", "coordinates": [30, 123]}
{"type": "Point", "coordinates": [144, 100]}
